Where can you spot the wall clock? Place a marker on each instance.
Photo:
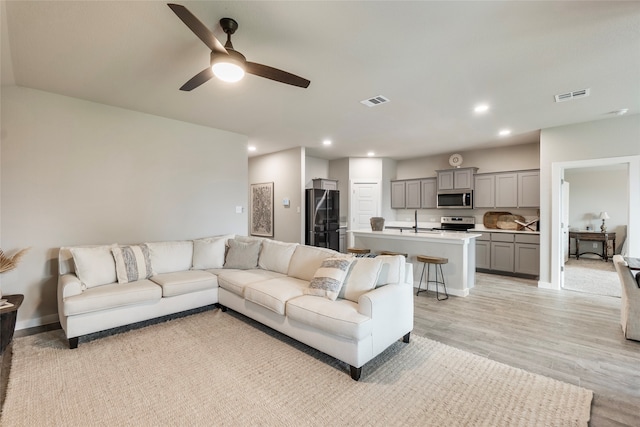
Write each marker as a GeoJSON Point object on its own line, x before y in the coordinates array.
{"type": "Point", "coordinates": [455, 160]}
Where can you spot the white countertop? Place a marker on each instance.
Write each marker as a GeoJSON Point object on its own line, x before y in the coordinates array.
{"type": "Point", "coordinates": [421, 235]}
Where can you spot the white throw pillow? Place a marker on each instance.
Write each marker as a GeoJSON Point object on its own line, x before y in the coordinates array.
{"type": "Point", "coordinates": [329, 278]}
{"type": "Point", "coordinates": [275, 256]}
{"type": "Point", "coordinates": [132, 263]}
{"type": "Point", "coordinates": [95, 266]}
{"type": "Point", "coordinates": [362, 277]}
{"type": "Point", "coordinates": [209, 253]}
{"type": "Point", "coordinates": [242, 255]}
{"type": "Point", "coordinates": [392, 270]}
{"type": "Point", "coordinates": [169, 257]}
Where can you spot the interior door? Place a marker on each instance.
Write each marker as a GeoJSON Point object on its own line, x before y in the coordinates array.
{"type": "Point", "coordinates": [564, 227]}
{"type": "Point", "coordinates": [365, 203]}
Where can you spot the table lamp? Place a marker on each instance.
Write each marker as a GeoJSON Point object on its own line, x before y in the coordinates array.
{"type": "Point", "coordinates": [603, 216]}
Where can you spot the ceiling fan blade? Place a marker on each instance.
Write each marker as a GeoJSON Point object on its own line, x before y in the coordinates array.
{"type": "Point", "coordinates": [200, 78]}
{"type": "Point", "coordinates": [198, 28]}
{"type": "Point", "coordinates": [275, 74]}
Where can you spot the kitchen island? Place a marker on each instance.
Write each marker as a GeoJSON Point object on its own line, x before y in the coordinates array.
{"type": "Point", "coordinates": [458, 247]}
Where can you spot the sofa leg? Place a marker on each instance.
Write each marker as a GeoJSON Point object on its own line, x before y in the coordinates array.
{"type": "Point", "coordinates": [355, 372]}
{"type": "Point", "coordinates": [222, 307]}
{"type": "Point", "coordinates": [73, 342]}
{"type": "Point", "coordinates": [406, 337]}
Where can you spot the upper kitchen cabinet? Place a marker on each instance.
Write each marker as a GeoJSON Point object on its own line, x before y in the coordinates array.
{"type": "Point", "coordinates": [507, 190]}
{"type": "Point", "coordinates": [398, 195]}
{"type": "Point", "coordinates": [325, 184]}
{"type": "Point", "coordinates": [429, 188]}
{"type": "Point", "coordinates": [529, 189]}
{"type": "Point", "coordinates": [456, 179]}
{"type": "Point", "coordinates": [412, 194]}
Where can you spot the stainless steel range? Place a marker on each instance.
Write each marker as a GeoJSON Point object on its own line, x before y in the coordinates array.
{"type": "Point", "coordinates": [457, 223]}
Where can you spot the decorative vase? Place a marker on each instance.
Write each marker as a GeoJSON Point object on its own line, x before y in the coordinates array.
{"type": "Point", "coordinates": [377, 223]}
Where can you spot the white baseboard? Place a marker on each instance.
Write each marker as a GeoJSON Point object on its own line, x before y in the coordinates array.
{"type": "Point", "coordinates": [547, 285]}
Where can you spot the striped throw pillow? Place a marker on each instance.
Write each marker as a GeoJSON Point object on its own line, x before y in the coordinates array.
{"type": "Point", "coordinates": [329, 278]}
{"type": "Point", "coordinates": [132, 263]}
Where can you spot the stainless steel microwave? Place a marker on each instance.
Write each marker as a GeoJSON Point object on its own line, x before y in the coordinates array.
{"type": "Point", "coordinates": [456, 200]}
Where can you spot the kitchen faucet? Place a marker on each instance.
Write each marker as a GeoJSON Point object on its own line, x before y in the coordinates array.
{"type": "Point", "coordinates": [416, 221]}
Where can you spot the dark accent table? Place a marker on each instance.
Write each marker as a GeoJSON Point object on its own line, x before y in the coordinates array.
{"type": "Point", "coordinates": [593, 236]}
{"type": "Point", "coordinates": [8, 319]}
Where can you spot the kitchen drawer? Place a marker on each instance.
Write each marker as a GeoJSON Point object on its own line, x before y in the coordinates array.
{"type": "Point", "coordinates": [528, 238]}
{"type": "Point", "coordinates": [502, 237]}
{"type": "Point", "coordinates": [484, 237]}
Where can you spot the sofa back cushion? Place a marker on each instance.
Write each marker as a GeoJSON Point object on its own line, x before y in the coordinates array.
{"type": "Point", "coordinates": [276, 256]}
{"type": "Point", "coordinates": [94, 266]}
{"type": "Point", "coordinates": [306, 260]}
{"type": "Point", "coordinates": [210, 252]}
{"type": "Point", "coordinates": [169, 257]}
{"type": "Point", "coordinates": [392, 270]}
{"type": "Point", "coordinates": [242, 255]}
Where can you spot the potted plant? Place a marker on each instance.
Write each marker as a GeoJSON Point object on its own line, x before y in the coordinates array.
{"type": "Point", "coordinates": [8, 264]}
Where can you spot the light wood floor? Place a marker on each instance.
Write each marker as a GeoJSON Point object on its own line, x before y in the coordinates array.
{"type": "Point", "coordinates": [570, 336]}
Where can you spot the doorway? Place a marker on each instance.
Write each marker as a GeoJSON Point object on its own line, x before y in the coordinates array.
{"type": "Point", "coordinates": [631, 217]}
{"type": "Point", "coordinates": [364, 203]}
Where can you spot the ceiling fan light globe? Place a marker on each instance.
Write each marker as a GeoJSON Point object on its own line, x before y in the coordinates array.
{"type": "Point", "coordinates": [228, 71]}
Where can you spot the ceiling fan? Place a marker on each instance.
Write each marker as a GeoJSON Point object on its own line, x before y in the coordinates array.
{"type": "Point", "coordinates": [227, 63]}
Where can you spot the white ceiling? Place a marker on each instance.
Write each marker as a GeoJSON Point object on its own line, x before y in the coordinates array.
{"type": "Point", "coordinates": [433, 60]}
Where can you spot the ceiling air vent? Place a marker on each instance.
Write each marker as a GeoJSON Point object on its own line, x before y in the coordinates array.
{"type": "Point", "coordinates": [572, 95]}
{"type": "Point", "coordinates": [376, 100]}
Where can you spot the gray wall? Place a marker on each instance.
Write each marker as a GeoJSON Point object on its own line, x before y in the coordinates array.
{"type": "Point", "coordinates": [75, 172]}
{"type": "Point", "coordinates": [286, 170]}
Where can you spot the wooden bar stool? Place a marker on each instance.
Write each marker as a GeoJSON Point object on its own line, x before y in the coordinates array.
{"type": "Point", "coordinates": [358, 251]}
{"type": "Point", "coordinates": [437, 262]}
{"type": "Point", "coordinates": [392, 253]}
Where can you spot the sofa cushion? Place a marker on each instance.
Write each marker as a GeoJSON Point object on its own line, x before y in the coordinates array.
{"type": "Point", "coordinates": [306, 260]}
{"type": "Point", "coordinates": [274, 294]}
{"type": "Point", "coordinates": [167, 257]}
{"type": "Point", "coordinates": [184, 282]}
{"type": "Point", "coordinates": [392, 270]}
{"type": "Point", "coordinates": [339, 317]}
{"type": "Point", "coordinates": [276, 256]}
{"type": "Point", "coordinates": [328, 279]}
{"type": "Point", "coordinates": [236, 280]}
{"type": "Point", "coordinates": [242, 255]}
{"type": "Point", "coordinates": [209, 252]}
{"type": "Point", "coordinates": [94, 266]}
{"type": "Point", "coordinates": [112, 296]}
{"type": "Point", "coordinates": [132, 263]}
{"type": "Point", "coordinates": [362, 277]}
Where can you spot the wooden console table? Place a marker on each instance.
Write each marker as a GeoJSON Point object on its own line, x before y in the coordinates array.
{"type": "Point", "coordinates": [8, 319]}
{"type": "Point", "coordinates": [592, 236]}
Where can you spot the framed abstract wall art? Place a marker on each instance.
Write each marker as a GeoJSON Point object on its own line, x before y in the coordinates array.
{"type": "Point", "coordinates": [262, 209]}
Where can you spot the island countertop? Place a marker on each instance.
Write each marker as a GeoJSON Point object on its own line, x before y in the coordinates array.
{"type": "Point", "coordinates": [427, 236]}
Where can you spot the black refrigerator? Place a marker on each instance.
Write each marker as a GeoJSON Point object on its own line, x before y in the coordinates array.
{"type": "Point", "coordinates": [323, 218]}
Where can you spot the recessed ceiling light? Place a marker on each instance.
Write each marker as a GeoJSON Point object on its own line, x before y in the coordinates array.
{"type": "Point", "coordinates": [504, 132]}
{"type": "Point", "coordinates": [371, 154]}
{"type": "Point", "coordinates": [251, 148]}
{"type": "Point", "coordinates": [481, 108]}
{"type": "Point", "coordinates": [621, 112]}
{"type": "Point", "coordinates": [326, 142]}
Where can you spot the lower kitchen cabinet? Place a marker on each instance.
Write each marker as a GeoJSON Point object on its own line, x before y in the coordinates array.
{"type": "Point", "coordinates": [508, 253]}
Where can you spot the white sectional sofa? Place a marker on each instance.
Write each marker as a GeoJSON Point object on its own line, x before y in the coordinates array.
{"type": "Point", "coordinates": [349, 308]}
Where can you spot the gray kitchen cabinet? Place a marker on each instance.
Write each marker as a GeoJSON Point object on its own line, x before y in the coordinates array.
{"type": "Point", "coordinates": [412, 194]}
{"type": "Point", "coordinates": [527, 254]}
{"type": "Point", "coordinates": [506, 190]}
{"type": "Point", "coordinates": [483, 251]}
{"type": "Point", "coordinates": [529, 189]}
{"type": "Point", "coordinates": [325, 184]}
{"type": "Point", "coordinates": [502, 256]}
{"type": "Point", "coordinates": [485, 191]}
{"type": "Point", "coordinates": [456, 179]}
{"type": "Point", "coordinates": [398, 194]}
{"type": "Point", "coordinates": [429, 193]}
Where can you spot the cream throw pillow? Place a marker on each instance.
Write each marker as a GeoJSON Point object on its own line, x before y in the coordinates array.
{"type": "Point", "coordinates": [209, 253]}
{"type": "Point", "coordinates": [329, 278]}
{"type": "Point", "coordinates": [95, 266]}
{"type": "Point", "coordinates": [362, 278]}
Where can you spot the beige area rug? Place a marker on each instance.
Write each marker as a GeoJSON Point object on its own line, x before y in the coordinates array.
{"type": "Point", "coordinates": [217, 368]}
{"type": "Point", "coordinates": [593, 276]}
